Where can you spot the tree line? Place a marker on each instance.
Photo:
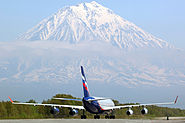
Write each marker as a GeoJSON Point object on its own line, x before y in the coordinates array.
{"type": "Point", "coordinates": [11, 111]}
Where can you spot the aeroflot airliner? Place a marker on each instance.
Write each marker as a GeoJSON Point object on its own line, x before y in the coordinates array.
{"type": "Point", "coordinates": [94, 105]}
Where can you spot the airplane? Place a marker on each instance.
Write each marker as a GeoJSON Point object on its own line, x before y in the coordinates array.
{"type": "Point", "coordinates": [94, 105]}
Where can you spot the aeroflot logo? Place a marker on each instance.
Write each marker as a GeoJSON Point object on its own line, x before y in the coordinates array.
{"type": "Point", "coordinates": [85, 85]}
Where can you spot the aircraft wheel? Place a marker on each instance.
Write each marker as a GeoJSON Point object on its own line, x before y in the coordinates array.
{"type": "Point", "coordinates": [107, 117]}
{"type": "Point", "coordinates": [112, 117]}
{"type": "Point", "coordinates": [96, 116]}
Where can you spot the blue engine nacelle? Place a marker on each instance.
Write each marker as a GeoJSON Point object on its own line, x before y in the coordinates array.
{"type": "Point", "coordinates": [144, 111]}
{"type": "Point", "coordinates": [73, 112]}
{"type": "Point", "coordinates": [54, 110]}
{"type": "Point", "coordinates": [129, 112]}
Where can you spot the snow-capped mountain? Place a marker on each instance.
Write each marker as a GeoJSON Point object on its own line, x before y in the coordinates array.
{"type": "Point", "coordinates": [92, 22]}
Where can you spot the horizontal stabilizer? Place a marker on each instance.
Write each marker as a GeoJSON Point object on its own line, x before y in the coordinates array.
{"type": "Point", "coordinates": [90, 100]}
{"type": "Point", "coordinates": [67, 99]}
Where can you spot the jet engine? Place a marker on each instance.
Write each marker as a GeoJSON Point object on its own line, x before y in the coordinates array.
{"type": "Point", "coordinates": [129, 112]}
{"type": "Point", "coordinates": [144, 111]}
{"type": "Point", "coordinates": [54, 110]}
{"type": "Point", "coordinates": [73, 112]}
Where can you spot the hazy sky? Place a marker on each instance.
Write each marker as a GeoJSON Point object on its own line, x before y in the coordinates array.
{"type": "Point", "coordinates": [162, 18]}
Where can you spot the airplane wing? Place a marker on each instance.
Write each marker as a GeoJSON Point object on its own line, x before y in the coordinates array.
{"type": "Point", "coordinates": [139, 105]}
{"type": "Point", "coordinates": [51, 105]}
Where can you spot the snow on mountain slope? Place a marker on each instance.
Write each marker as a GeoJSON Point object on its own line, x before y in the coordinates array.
{"type": "Point", "coordinates": [92, 22]}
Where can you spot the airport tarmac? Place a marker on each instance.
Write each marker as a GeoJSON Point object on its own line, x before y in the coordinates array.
{"type": "Point", "coordinates": [90, 121]}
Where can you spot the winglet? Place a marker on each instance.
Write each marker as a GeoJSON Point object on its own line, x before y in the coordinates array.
{"type": "Point", "coordinates": [176, 100]}
{"type": "Point", "coordinates": [10, 99]}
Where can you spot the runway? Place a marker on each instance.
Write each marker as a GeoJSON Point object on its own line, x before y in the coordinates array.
{"type": "Point", "coordinates": [90, 121]}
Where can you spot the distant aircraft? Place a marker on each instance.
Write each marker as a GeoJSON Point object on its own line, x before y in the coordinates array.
{"type": "Point", "coordinates": [94, 105]}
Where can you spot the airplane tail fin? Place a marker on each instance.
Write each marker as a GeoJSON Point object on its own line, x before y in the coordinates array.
{"type": "Point", "coordinates": [85, 87]}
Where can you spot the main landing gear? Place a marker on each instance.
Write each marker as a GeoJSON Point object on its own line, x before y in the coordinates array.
{"type": "Point", "coordinates": [111, 116]}
{"type": "Point", "coordinates": [83, 116]}
{"type": "Point", "coordinates": [106, 117]}
{"type": "Point", "coordinates": [96, 116]}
